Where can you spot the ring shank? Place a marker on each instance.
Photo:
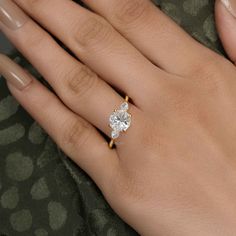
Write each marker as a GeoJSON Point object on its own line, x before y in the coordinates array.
{"type": "Point", "coordinates": [111, 143]}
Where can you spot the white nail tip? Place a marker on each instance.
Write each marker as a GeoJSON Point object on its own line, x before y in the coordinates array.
{"type": "Point", "coordinates": [228, 6]}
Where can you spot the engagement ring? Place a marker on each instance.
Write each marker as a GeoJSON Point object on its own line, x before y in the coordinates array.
{"type": "Point", "coordinates": [120, 121]}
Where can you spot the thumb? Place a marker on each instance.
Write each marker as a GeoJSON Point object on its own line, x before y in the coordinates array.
{"type": "Point", "coordinates": [225, 13]}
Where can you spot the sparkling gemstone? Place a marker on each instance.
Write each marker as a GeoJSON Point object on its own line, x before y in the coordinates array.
{"type": "Point", "coordinates": [120, 120]}
{"type": "Point", "coordinates": [124, 106]}
{"type": "Point", "coordinates": [115, 134]}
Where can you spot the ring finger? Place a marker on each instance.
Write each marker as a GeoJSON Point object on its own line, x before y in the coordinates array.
{"type": "Point", "coordinates": [79, 88]}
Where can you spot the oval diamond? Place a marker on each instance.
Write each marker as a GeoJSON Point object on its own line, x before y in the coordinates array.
{"type": "Point", "coordinates": [120, 120]}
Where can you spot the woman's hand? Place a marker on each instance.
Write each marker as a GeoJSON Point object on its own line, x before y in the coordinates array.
{"type": "Point", "coordinates": [174, 171]}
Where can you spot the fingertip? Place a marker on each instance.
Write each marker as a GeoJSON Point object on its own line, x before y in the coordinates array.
{"type": "Point", "coordinates": [226, 26]}
{"type": "Point", "coordinates": [15, 91]}
{"type": "Point", "coordinates": [13, 73]}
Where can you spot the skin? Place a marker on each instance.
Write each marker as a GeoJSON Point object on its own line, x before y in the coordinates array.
{"type": "Point", "coordinates": [174, 171]}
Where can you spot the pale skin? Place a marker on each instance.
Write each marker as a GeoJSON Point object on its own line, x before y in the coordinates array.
{"type": "Point", "coordinates": [173, 173]}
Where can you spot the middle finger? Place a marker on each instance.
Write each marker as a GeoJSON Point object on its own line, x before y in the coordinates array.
{"type": "Point", "coordinates": [97, 44]}
{"type": "Point", "coordinates": [78, 87]}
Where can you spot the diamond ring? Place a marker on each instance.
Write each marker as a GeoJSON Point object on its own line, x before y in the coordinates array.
{"type": "Point", "coordinates": [120, 121]}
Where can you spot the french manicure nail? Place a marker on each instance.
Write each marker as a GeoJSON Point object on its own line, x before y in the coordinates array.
{"type": "Point", "coordinates": [13, 73]}
{"type": "Point", "coordinates": [230, 6]}
{"type": "Point", "coordinates": [11, 15]}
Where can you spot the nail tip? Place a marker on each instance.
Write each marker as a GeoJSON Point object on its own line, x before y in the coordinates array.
{"type": "Point", "coordinates": [13, 73]}
{"type": "Point", "coordinates": [11, 15]}
{"type": "Point", "coordinates": [228, 5]}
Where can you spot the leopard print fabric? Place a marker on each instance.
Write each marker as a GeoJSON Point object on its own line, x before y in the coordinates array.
{"type": "Point", "coordinates": [42, 192]}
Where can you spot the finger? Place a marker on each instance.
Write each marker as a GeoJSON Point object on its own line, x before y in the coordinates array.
{"type": "Point", "coordinates": [95, 42]}
{"type": "Point", "coordinates": [78, 87]}
{"type": "Point", "coordinates": [225, 12]}
{"type": "Point", "coordinates": [73, 134]}
{"type": "Point", "coordinates": [152, 32]}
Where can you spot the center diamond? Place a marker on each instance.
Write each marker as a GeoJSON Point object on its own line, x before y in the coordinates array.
{"type": "Point", "coordinates": [120, 120]}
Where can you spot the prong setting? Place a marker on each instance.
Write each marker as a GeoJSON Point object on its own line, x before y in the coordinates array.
{"type": "Point", "coordinates": [120, 120]}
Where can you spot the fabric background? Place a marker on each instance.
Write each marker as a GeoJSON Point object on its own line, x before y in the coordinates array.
{"type": "Point", "coordinates": [42, 192]}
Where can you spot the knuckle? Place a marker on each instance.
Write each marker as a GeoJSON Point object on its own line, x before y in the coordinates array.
{"type": "Point", "coordinates": [181, 99]}
{"type": "Point", "coordinates": [205, 70]}
{"type": "Point", "coordinates": [35, 40]}
{"type": "Point", "coordinates": [207, 66]}
{"type": "Point", "coordinates": [92, 31]}
{"type": "Point", "coordinates": [129, 12]}
{"type": "Point", "coordinates": [184, 106]}
{"type": "Point", "coordinates": [75, 133]}
{"type": "Point", "coordinates": [208, 77]}
{"type": "Point", "coordinates": [81, 80]}
{"type": "Point", "coordinates": [32, 4]}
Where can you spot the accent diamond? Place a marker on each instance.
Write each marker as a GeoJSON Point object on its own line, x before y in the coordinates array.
{"type": "Point", "coordinates": [115, 134]}
{"type": "Point", "coordinates": [124, 106]}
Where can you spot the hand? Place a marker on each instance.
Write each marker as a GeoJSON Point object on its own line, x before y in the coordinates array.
{"type": "Point", "coordinates": [174, 171]}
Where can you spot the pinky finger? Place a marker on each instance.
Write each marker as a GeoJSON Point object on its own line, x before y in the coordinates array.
{"type": "Point", "coordinates": [77, 138]}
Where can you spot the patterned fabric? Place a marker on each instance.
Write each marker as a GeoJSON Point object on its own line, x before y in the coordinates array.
{"type": "Point", "coordinates": [42, 192]}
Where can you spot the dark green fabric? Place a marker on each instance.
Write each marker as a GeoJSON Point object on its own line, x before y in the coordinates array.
{"type": "Point", "coordinates": [41, 191]}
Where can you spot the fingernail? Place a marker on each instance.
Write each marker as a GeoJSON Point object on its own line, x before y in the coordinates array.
{"type": "Point", "coordinates": [11, 15]}
{"type": "Point", "coordinates": [13, 73]}
{"type": "Point", "coordinates": [230, 6]}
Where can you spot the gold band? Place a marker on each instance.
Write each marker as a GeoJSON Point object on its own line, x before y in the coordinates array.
{"type": "Point", "coordinates": [112, 142]}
